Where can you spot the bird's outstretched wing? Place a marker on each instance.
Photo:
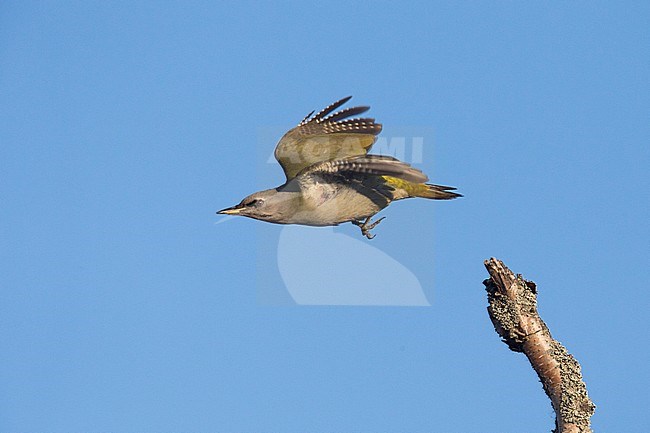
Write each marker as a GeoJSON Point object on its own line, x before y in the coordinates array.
{"type": "Point", "coordinates": [373, 165]}
{"type": "Point", "coordinates": [326, 137]}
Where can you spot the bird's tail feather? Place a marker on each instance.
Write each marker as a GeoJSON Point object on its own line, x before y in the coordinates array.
{"type": "Point", "coordinates": [424, 190]}
{"type": "Point", "coordinates": [436, 192]}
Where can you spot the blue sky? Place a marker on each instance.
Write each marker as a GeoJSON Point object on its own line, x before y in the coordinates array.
{"type": "Point", "coordinates": [124, 127]}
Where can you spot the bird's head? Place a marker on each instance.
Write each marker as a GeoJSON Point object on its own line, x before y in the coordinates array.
{"type": "Point", "coordinates": [269, 205]}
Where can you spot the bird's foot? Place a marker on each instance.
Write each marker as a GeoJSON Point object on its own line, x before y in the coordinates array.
{"type": "Point", "coordinates": [366, 227]}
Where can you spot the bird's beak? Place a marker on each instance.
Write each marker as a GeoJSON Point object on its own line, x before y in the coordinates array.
{"type": "Point", "coordinates": [235, 210]}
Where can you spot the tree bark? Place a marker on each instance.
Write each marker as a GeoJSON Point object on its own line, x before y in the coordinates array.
{"type": "Point", "coordinates": [513, 311]}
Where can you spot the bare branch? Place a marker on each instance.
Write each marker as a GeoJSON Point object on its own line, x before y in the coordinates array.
{"type": "Point", "coordinates": [513, 311]}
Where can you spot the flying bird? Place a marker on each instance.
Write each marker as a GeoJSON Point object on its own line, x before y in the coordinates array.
{"type": "Point", "coordinates": [331, 178]}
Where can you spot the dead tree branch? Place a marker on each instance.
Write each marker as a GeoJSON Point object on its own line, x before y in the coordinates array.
{"type": "Point", "coordinates": [513, 311]}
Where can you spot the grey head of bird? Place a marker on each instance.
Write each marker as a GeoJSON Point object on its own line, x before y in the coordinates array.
{"type": "Point", "coordinates": [271, 205]}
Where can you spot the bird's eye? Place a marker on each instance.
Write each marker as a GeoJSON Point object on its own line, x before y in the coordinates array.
{"type": "Point", "coordinates": [253, 203]}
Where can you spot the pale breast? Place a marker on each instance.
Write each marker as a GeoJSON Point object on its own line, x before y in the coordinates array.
{"type": "Point", "coordinates": [331, 204]}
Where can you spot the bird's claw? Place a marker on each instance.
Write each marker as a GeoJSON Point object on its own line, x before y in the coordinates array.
{"type": "Point", "coordinates": [366, 227]}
